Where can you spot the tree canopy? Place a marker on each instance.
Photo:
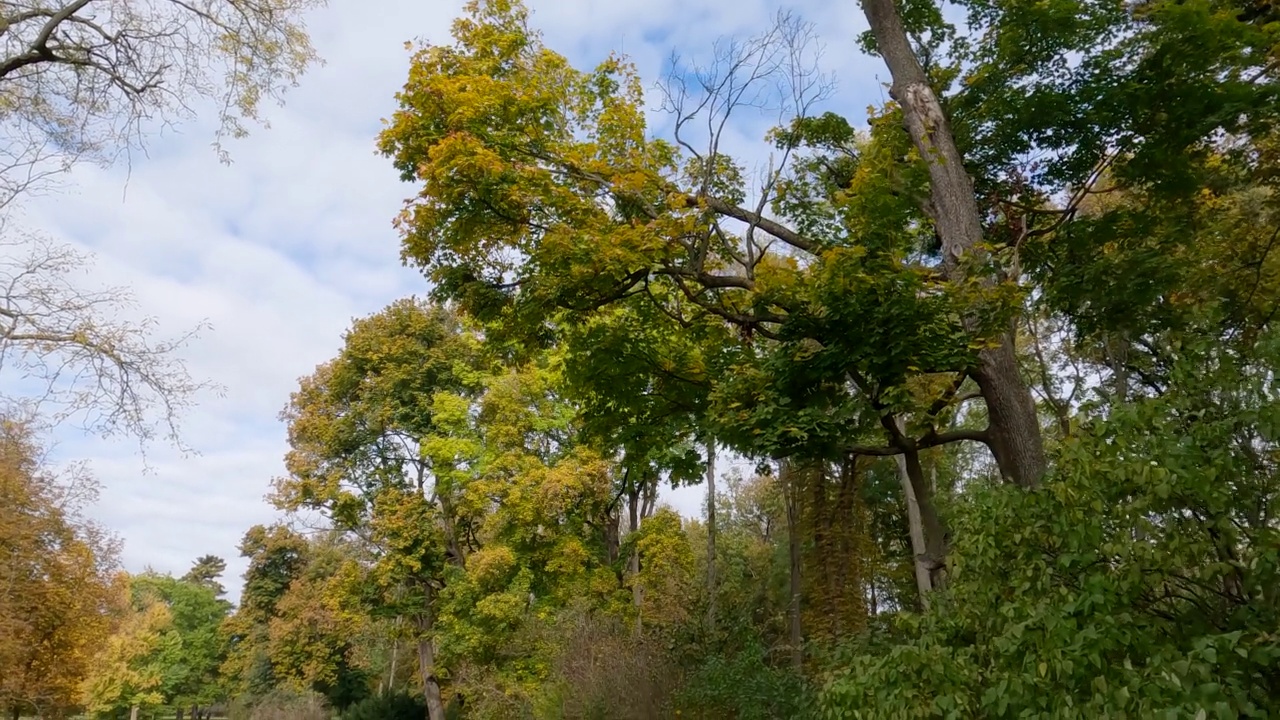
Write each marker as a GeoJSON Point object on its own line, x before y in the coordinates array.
{"type": "Point", "coordinates": [996, 364]}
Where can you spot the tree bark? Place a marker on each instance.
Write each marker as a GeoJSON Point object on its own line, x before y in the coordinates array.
{"type": "Point", "coordinates": [711, 535]}
{"type": "Point", "coordinates": [427, 668]}
{"type": "Point", "coordinates": [924, 583]}
{"type": "Point", "coordinates": [1015, 437]}
{"type": "Point", "coordinates": [612, 534]}
{"type": "Point", "coordinates": [786, 476]}
{"type": "Point", "coordinates": [928, 534]}
{"type": "Point", "coordinates": [133, 713]}
{"type": "Point", "coordinates": [633, 563]}
{"type": "Point", "coordinates": [1014, 426]}
{"type": "Point", "coordinates": [395, 659]}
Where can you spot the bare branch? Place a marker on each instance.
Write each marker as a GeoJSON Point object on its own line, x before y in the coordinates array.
{"type": "Point", "coordinates": [82, 78]}
{"type": "Point", "coordinates": [64, 355]}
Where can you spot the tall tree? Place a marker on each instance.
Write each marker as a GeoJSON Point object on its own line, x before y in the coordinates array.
{"type": "Point", "coordinates": [277, 556]}
{"type": "Point", "coordinates": [358, 429]}
{"type": "Point", "coordinates": [191, 649]}
{"type": "Point", "coordinates": [129, 670]}
{"type": "Point", "coordinates": [57, 579]}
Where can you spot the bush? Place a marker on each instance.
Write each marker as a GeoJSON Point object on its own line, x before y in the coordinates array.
{"type": "Point", "coordinates": [282, 705]}
{"type": "Point", "coordinates": [396, 706]}
{"type": "Point", "coordinates": [1129, 585]}
{"type": "Point", "coordinates": [741, 685]}
{"type": "Point", "coordinates": [604, 671]}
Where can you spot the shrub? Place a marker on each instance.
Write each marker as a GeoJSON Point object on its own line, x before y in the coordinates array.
{"type": "Point", "coordinates": [282, 705]}
{"type": "Point", "coordinates": [741, 685]}
{"type": "Point", "coordinates": [1129, 585]}
{"type": "Point", "coordinates": [395, 706]}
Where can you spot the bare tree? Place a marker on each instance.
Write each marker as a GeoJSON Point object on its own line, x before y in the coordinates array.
{"type": "Point", "coordinates": [81, 78]}
{"type": "Point", "coordinates": [86, 80]}
{"type": "Point", "coordinates": [67, 354]}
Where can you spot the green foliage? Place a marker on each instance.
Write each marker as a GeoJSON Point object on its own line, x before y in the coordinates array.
{"type": "Point", "coordinates": [624, 300]}
{"type": "Point", "coordinates": [741, 685]}
{"type": "Point", "coordinates": [193, 650]}
{"type": "Point", "coordinates": [397, 706]}
{"type": "Point", "coordinates": [292, 630]}
{"type": "Point", "coordinates": [1139, 582]}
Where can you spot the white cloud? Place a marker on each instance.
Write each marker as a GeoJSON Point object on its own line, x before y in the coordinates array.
{"type": "Point", "coordinates": [282, 248]}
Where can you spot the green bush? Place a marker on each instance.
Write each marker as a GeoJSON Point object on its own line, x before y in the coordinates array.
{"type": "Point", "coordinates": [741, 685]}
{"type": "Point", "coordinates": [396, 706]}
{"type": "Point", "coordinates": [1130, 585]}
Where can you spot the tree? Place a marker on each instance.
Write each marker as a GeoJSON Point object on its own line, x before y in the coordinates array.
{"type": "Point", "coordinates": [277, 556]}
{"type": "Point", "coordinates": [358, 430]}
{"type": "Point", "coordinates": [86, 79]}
{"type": "Point", "coordinates": [205, 571]}
{"type": "Point", "coordinates": [57, 579]}
{"type": "Point", "coordinates": [844, 322]}
{"type": "Point", "coordinates": [191, 649]}
{"type": "Point", "coordinates": [129, 671]}
{"type": "Point", "coordinates": [675, 216]}
{"type": "Point", "coordinates": [83, 78]}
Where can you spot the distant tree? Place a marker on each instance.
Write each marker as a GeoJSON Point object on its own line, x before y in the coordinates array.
{"type": "Point", "coordinates": [289, 633]}
{"type": "Point", "coordinates": [205, 571]}
{"type": "Point", "coordinates": [129, 671]}
{"type": "Point", "coordinates": [276, 557]}
{"type": "Point", "coordinates": [192, 651]}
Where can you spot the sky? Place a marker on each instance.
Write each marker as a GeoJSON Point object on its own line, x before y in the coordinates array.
{"type": "Point", "coordinates": [279, 251]}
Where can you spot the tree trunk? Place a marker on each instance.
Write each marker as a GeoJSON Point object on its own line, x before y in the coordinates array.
{"type": "Point", "coordinates": [924, 584]}
{"type": "Point", "coordinates": [711, 535]}
{"type": "Point", "coordinates": [633, 563]}
{"type": "Point", "coordinates": [427, 668]}
{"type": "Point", "coordinates": [1015, 437]}
{"type": "Point", "coordinates": [133, 713]}
{"type": "Point", "coordinates": [786, 475]}
{"type": "Point", "coordinates": [395, 658]}
{"type": "Point", "coordinates": [1016, 441]}
{"type": "Point", "coordinates": [650, 494]}
{"type": "Point", "coordinates": [611, 534]}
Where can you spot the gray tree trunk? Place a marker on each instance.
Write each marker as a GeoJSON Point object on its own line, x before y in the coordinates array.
{"type": "Point", "coordinates": [427, 669]}
{"type": "Point", "coordinates": [923, 581]}
{"type": "Point", "coordinates": [1015, 437]}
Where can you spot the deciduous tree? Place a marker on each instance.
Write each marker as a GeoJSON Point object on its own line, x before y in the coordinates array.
{"type": "Point", "coordinates": [57, 579]}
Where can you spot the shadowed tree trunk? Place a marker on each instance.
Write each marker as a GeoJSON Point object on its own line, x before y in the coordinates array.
{"type": "Point", "coordinates": [924, 525]}
{"type": "Point", "coordinates": [711, 535]}
{"type": "Point", "coordinates": [786, 475]}
{"type": "Point", "coordinates": [924, 584]}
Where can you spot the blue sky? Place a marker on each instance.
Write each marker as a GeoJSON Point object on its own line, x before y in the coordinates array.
{"type": "Point", "coordinates": [280, 250]}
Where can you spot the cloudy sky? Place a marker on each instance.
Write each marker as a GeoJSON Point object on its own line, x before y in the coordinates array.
{"type": "Point", "coordinates": [280, 250]}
